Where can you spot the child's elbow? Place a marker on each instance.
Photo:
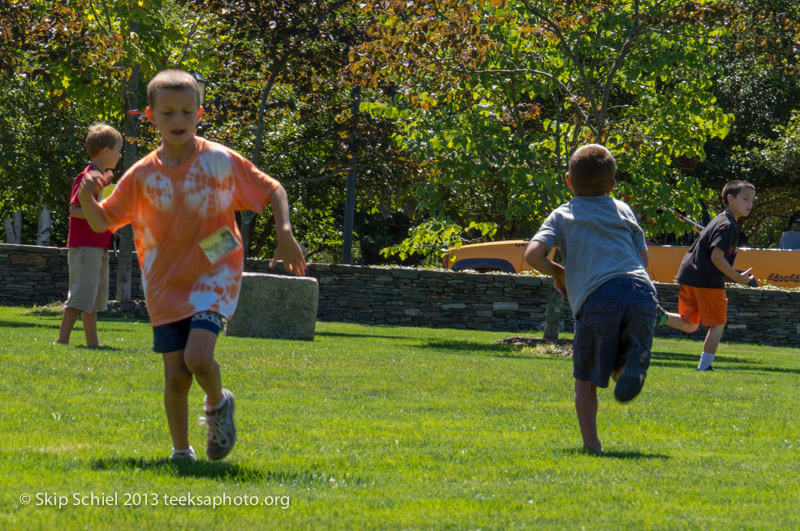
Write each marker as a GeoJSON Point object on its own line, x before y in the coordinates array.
{"type": "Point", "coordinates": [534, 254]}
{"type": "Point", "coordinates": [98, 228]}
{"type": "Point", "coordinates": [98, 223]}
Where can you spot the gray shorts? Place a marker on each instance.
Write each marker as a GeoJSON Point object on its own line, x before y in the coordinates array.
{"type": "Point", "coordinates": [88, 279]}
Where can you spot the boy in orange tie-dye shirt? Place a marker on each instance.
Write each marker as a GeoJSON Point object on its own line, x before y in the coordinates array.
{"type": "Point", "coordinates": [180, 200]}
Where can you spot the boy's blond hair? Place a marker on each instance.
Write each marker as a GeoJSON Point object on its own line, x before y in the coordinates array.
{"type": "Point", "coordinates": [734, 187]}
{"type": "Point", "coordinates": [173, 79]}
{"type": "Point", "coordinates": [592, 169]}
{"type": "Point", "coordinates": [101, 135]}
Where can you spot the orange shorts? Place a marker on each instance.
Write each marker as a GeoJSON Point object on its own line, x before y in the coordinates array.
{"type": "Point", "coordinates": [707, 306]}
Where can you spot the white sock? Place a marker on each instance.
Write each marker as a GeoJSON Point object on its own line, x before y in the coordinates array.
{"type": "Point", "coordinates": [186, 451]}
{"type": "Point", "coordinates": [705, 361]}
{"type": "Point", "coordinates": [217, 407]}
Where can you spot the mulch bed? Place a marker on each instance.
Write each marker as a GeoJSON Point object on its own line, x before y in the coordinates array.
{"type": "Point", "coordinates": [562, 346]}
{"type": "Point", "coordinates": [134, 309]}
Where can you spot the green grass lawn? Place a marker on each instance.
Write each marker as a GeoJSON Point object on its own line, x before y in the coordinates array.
{"type": "Point", "coordinates": [383, 427]}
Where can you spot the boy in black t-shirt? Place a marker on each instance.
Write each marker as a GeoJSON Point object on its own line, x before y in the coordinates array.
{"type": "Point", "coordinates": [703, 270]}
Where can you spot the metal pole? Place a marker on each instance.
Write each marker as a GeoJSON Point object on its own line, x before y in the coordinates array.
{"type": "Point", "coordinates": [686, 219]}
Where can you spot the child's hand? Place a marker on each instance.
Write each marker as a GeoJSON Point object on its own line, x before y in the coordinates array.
{"type": "Point", "coordinates": [290, 253]}
{"type": "Point", "coordinates": [94, 182]}
{"type": "Point", "coordinates": [560, 283]}
{"type": "Point", "coordinates": [745, 277]}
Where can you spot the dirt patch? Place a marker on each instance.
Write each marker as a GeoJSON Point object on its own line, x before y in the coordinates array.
{"type": "Point", "coordinates": [562, 347]}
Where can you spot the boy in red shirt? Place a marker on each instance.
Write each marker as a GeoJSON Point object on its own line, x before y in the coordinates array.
{"type": "Point", "coordinates": [180, 200]}
{"type": "Point", "coordinates": [88, 250]}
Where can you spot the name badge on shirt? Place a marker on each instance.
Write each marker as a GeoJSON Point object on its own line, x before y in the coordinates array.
{"type": "Point", "coordinates": [219, 244]}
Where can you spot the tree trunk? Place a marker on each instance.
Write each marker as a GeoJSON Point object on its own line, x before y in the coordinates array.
{"type": "Point", "coordinates": [13, 226]}
{"type": "Point", "coordinates": [124, 264]}
{"type": "Point", "coordinates": [125, 255]}
{"type": "Point", "coordinates": [350, 193]}
{"type": "Point", "coordinates": [247, 224]}
{"type": "Point", "coordinates": [552, 314]}
{"type": "Point", "coordinates": [45, 225]}
{"type": "Point", "coordinates": [9, 228]}
{"type": "Point", "coordinates": [247, 217]}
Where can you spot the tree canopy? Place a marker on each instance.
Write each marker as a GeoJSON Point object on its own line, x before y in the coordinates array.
{"type": "Point", "coordinates": [457, 116]}
{"type": "Point", "coordinates": [494, 96]}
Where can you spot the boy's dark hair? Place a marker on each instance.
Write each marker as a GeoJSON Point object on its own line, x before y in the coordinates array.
{"type": "Point", "coordinates": [592, 169]}
{"type": "Point", "coordinates": [172, 80]}
{"type": "Point", "coordinates": [101, 135]}
{"type": "Point", "coordinates": [733, 188]}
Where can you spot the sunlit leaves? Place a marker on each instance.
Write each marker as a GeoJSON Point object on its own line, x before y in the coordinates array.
{"type": "Point", "coordinates": [282, 73]}
{"type": "Point", "coordinates": [433, 236]}
{"type": "Point", "coordinates": [527, 81]}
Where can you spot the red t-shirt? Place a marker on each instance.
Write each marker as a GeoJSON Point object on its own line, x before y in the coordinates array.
{"type": "Point", "coordinates": [80, 233]}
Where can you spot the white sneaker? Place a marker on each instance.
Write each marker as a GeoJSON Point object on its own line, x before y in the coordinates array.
{"type": "Point", "coordinates": [183, 454]}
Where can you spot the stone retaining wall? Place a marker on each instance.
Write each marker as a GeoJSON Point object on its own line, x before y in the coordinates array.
{"type": "Point", "coordinates": [443, 299]}
{"type": "Point", "coordinates": [30, 274]}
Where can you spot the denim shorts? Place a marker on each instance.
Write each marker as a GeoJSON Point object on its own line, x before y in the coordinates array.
{"type": "Point", "coordinates": [173, 336]}
{"type": "Point", "coordinates": [615, 321]}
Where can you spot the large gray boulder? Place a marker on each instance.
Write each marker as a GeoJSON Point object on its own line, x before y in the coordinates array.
{"type": "Point", "coordinates": [275, 306]}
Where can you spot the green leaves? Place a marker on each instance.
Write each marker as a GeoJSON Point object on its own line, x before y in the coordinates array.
{"type": "Point", "coordinates": [468, 110]}
{"type": "Point", "coordinates": [434, 236]}
{"type": "Point", "coordinates": [631, 76]}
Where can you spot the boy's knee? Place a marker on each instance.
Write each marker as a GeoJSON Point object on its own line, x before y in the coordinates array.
{"type": "Point", "coordinates": [199, 365]}
{"type": "Point", "coordinates": [692, 327]}
{"type": "Point", "coordinates": [178, 380]}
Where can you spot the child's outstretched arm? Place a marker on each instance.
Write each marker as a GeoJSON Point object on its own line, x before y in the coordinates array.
{"type": "Point", "coordinates": [645, 258]}
{"type": "Point", "coordinates": [287, 250]}
{"type": "Point", "coordinates": [87, 195]}
{"type": "Point", "coordinates": [718, 259]}
{"type": "Point", "coordinates": [536, 257]}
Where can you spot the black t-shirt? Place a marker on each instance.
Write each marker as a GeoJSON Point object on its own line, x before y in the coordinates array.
{"type": "Point", "coordinates": [697, 269]}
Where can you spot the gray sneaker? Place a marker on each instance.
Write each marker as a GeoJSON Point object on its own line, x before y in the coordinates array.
{"type": "Point", "coordinates": [221, 429]}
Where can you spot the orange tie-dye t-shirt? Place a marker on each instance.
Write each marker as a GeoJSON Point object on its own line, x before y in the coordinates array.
{"type": "Point", "coordinates": [171, 210]}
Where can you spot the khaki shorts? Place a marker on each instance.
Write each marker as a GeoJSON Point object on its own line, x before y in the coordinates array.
{"type": "Point", "coordinates": [88, 279]}
{"type": "Point", "coordinates": [707, 306]}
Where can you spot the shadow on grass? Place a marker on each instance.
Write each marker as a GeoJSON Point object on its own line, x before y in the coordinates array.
{"type": "Point", "coordinates": [345, 334]}
{"type": "Point", "coordinates": [102, 348]}
{"type": "Point", "coordinates": [497, 350]}
{"type": "Point", "coordinates": [722, 363]}
{"type": "Point", "coordinates": [218, 470]}
{"type": "Point", "coordinates": [55, 322]}
{"type": "Point", "coordinates": [694, 358]}
{"type": "Point", "coordinates": [120, 319]}
{"type": "Point", "coordinates": [46, 311]}
{"type": "Point", "coordinates": [782, 370]}
{"type": "Point", "coordinates": [104, 316]}
{"type": "Point", "coordinates": [616, 454]}
{"type": "Point", "coordinates": [17, 324]}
